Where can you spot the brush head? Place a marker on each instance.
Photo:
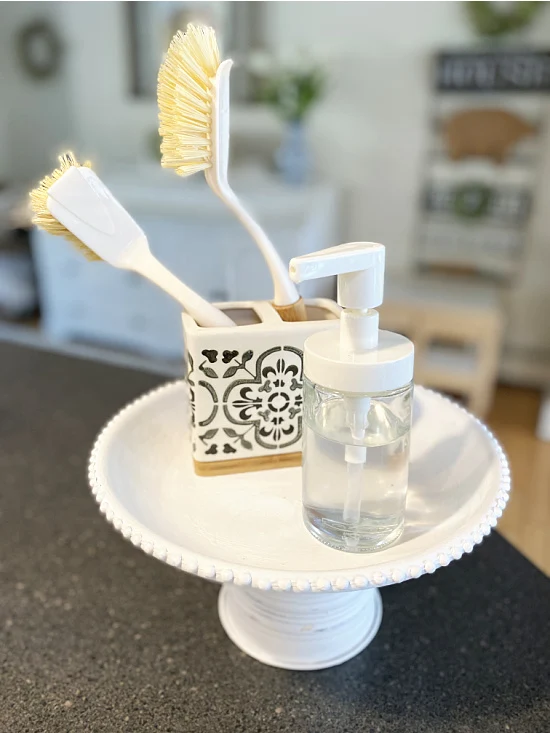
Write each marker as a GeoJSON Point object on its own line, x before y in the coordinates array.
{"type": "Point", "coordinates": [39, 205]}
{"type": "Point", "coordinates": [185, 89]}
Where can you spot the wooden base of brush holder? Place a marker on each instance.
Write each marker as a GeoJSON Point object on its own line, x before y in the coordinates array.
{"type": "Point", "coordinates": [245, 465]}
{"type": "Point", "coordinates": [246, 386]}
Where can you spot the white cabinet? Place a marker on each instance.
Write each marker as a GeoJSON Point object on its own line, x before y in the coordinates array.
{"type": "Point", "coordinates": [193, 234]}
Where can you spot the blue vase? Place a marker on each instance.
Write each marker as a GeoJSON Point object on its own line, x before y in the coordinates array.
{"type": "Point", "coordinates": [292, 157]}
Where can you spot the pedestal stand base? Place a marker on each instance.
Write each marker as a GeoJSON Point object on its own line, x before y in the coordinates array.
{"type": "Point", "coordinates": [298, 604]}
{"type": "Point", "coordinates": [302, 631]}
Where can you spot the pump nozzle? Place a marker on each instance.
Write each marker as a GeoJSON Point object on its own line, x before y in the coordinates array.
{"type": "Point", "coordinates": [360, 270]}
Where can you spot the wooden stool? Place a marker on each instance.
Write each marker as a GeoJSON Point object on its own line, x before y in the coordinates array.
{"type": "Point", "coordinates": [456, 327]}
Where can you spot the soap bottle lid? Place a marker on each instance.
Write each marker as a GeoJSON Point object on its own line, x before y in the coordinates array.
{"type": "Point", "coordinates": [359, 358]}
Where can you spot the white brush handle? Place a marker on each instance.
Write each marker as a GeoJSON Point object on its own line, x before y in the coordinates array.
{"type": "Point", "coordinates": [204, 313]}
{"type": "Point", "coordinates": [285, 292]}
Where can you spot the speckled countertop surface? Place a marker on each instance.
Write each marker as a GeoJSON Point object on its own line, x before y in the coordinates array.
{"type": "Point", "coordinates": [96, 636]}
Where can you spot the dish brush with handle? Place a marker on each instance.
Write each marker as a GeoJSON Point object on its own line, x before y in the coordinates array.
{"type": "Point", "coordinates": [244, 361]}
{"type": "Point", "coordinates": [73, 202]}
{"type": "Point", "coordinates": [193, 99]}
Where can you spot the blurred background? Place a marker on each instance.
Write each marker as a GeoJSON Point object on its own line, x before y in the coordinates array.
{"type": "Point", "coordinates": [420, 125]}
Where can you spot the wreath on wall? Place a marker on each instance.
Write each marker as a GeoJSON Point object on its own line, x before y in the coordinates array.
{"type": "Point", "coordinates": [39, 50]}
{"type": "Point", "coordinates": [498, 19]}
{"type": "Point", "coordinates": [472, 200]}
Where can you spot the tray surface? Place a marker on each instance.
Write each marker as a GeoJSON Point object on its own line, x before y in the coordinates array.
{"type": "Point", "coordinates": [248, 529]}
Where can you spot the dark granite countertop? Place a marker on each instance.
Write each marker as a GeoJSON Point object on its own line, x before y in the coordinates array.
{"type": "Point", "coordinates": [96, 636]}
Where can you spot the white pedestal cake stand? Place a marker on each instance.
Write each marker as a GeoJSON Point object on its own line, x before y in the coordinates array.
{"type": "Point", "coordinates": [286, 599]}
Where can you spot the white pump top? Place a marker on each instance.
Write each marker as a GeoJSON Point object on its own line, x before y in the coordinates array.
{"type": "Point", "coordinates": [360, 359]}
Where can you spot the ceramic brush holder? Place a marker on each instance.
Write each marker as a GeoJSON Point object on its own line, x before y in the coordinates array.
{"type": "Point", "coordinates": [245, 386]}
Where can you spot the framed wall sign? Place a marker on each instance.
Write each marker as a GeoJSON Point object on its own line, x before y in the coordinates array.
{"type": "Point", "coordinates": [481, 168]}
{"type": "Point", "coordinates": [152, 24]}
{"type": "Point", "coordinates": [496, 71]}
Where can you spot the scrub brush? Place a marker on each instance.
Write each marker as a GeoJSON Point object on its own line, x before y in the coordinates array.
{"type": "Point", "coordinates": [74, 203]}
{"type": "Point", "coordinates": [193, 99]}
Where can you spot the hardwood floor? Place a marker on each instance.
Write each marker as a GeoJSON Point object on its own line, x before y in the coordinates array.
{"type": "Point", "coordinates": [526, 520]}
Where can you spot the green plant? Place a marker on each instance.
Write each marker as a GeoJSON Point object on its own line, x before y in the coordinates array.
{"type": "Point", "coordinates": [290, 89]}
{"type": "Point", "coordinates": [153, 142]}
{"type": "Point", "coordinates": [498, 19]}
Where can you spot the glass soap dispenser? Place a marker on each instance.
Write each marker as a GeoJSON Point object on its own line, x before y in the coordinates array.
{"type": "Point", "coordinates": [357, 408]}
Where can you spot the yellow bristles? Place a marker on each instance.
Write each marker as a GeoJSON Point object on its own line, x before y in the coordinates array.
{"type": "Point", "coordinates": [184, 99]}
{"type": "Point", "coordinates": [39, 200]}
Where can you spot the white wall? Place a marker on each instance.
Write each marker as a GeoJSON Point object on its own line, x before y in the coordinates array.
{"type": "Point", "coordinates": [35, 116]}
{"type": "Point", "coordinates": [371, 131]}
{"type": "Point", "coordinates": [4, 60]}
{"type": "Point", "coordinates": [368, 135]}
{"type": "Point", "coordinates": [109, 122]}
